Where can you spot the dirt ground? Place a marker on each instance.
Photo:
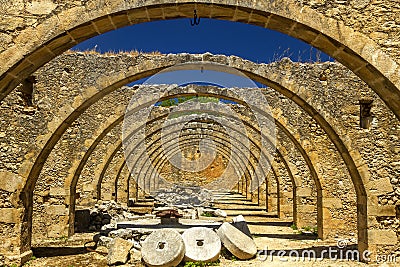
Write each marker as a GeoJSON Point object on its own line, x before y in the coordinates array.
{"type": "Point", "coordinates": [72, 253]}
{"type": "Point", "coordinates": [58, 253]}
{"type": "Point", "coordinates": [274, 237]}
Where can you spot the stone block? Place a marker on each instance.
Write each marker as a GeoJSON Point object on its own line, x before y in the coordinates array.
{"type": "Point", "coordinates": [118, 251]}
{"type": "Point", "coordinates": [57, 210]}
{"type": "Point", "coordinates": [135, 255]}
{"type": "Point", "coordinates": [239, 244]}
{"type": "Point", "coordinates": [389, 210]}
{"type": "Point", "coordinates": [9, 181]}
{"type": "Point", "coordinates": [58, 191]}
{"type": "Point", "coordinates": [334, 203]}
{"type": "Point", "coordinates": [304, 192]}
{"type": "Point", "coordinates": [306, 208]}
{"type": "Point", "coordinates": [286, 208]}
{"type": "Point", "coordinates": [380, 186]}
{"type": "Point", "coordinates": [202, 244]}
{"type": "Point", "coordinates": [89, 187]}
{"type": "Point", "coordinates": [382, 237]}
{"type": "Point", "coordinates": [10, 215]}
{"type": "Point", "coordinates": [286, 195]}
{"type": "Point", "coordinates": [335, 224]}
{"type": "Point", "coordinates": [43, 7]}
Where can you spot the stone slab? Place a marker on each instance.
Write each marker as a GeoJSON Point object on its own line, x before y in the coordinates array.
{"type": "Point", "coordinates": [382, 237]}
{"type": "Point", "coordinates": [118, 251]}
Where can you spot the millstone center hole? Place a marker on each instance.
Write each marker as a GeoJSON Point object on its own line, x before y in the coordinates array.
{"type": "Point", "coordinates": [161, 245]}
{"type": "Point", "coordinates": [200, 242]}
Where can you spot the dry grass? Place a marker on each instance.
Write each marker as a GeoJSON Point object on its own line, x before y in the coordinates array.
{"type": "Point", "coordinates": [93, 51]}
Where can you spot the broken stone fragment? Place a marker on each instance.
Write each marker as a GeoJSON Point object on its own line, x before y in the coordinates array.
{"type": "Point", "coordinates": [163, 248]}
{"type": "Point", "coordinates": [135, 255]}
{"type": "Point", "coordinates": [238, 243]}
{"type": "Point", "coordinates": [118, 251]}
{"type": "Point", "coordinates": [220, 213]}
{"type": "Point", "coordinates": [122, 233]}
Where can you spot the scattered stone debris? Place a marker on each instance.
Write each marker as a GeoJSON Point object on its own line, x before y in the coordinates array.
{"type": "Point", "coordinates": [104, 212]}
{"type": "Point", "coordinates": [122, 242]}
{"type": "Point", "coordinates": [182, 197]}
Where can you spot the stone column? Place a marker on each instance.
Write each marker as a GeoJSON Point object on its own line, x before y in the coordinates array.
{"type": "Point", "coordinates": [15, 246]}
{"type": "Point", "coordinates": [306, 213]}
{"type": "Point", "coordinates": [16, 229]}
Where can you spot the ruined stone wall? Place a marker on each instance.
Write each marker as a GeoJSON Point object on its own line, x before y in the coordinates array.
{"type": "Point", "coordinates": [378, 19]}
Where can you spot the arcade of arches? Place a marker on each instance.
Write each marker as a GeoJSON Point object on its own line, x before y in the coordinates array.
{"type": "Point", "coordinates": [337, 158]}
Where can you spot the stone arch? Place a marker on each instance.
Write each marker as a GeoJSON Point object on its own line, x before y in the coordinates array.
{"type": "Point", "coordinates": [157, 131]}
{"type": "Point", "coordinates": [117, 147]}
{"type": "Point", "coordinates": [118, 196]}
{"type": "Point", "coordinates": [220, 141]}
{"type": "Point", "coordinates": [98, 95]}
{"type": "Point", "coordinates": [164, 162]}
{"type": "Point", "coordinates": [85, 157]}
{"type": "Point", "coordinates": [312, 165]}
{"type": "Point", "coordinates": [72, 25]}
{"type": "Point", "coordinates": [90, 149]}
{"type": "Point", "coordinates": [297, 144]}
{"type": "Point", "coordinates": [328, 128]}
{"type": "Point", "coordinates": [290, 176]}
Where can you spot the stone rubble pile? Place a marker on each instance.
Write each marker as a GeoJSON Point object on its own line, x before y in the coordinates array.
{"type": "Point", "coordinates": [194, 212]}
{"type": "Point", "coordinates": [181, 196]}
{"type": "Point", "coordinates": [106, 212]}
{"type": "Point", "coordinates": [166, 247]}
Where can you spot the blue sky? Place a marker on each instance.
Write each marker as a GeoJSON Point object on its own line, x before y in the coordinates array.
{"type": "Point", "coordinates": [218, 37]}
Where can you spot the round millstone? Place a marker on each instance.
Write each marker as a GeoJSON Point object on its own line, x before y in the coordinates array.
{"type": "Point", "coordinates": [163, 248]}
{"type": "Point", "coordinates": [202, 244]}
{"type": "Point", "coordinates": [238, 243]}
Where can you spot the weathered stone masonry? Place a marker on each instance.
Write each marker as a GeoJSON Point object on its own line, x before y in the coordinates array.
{"type": "Point", "coordinates": [305, 144]}
{"type": "Point", "coordinates": [359, 34]}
